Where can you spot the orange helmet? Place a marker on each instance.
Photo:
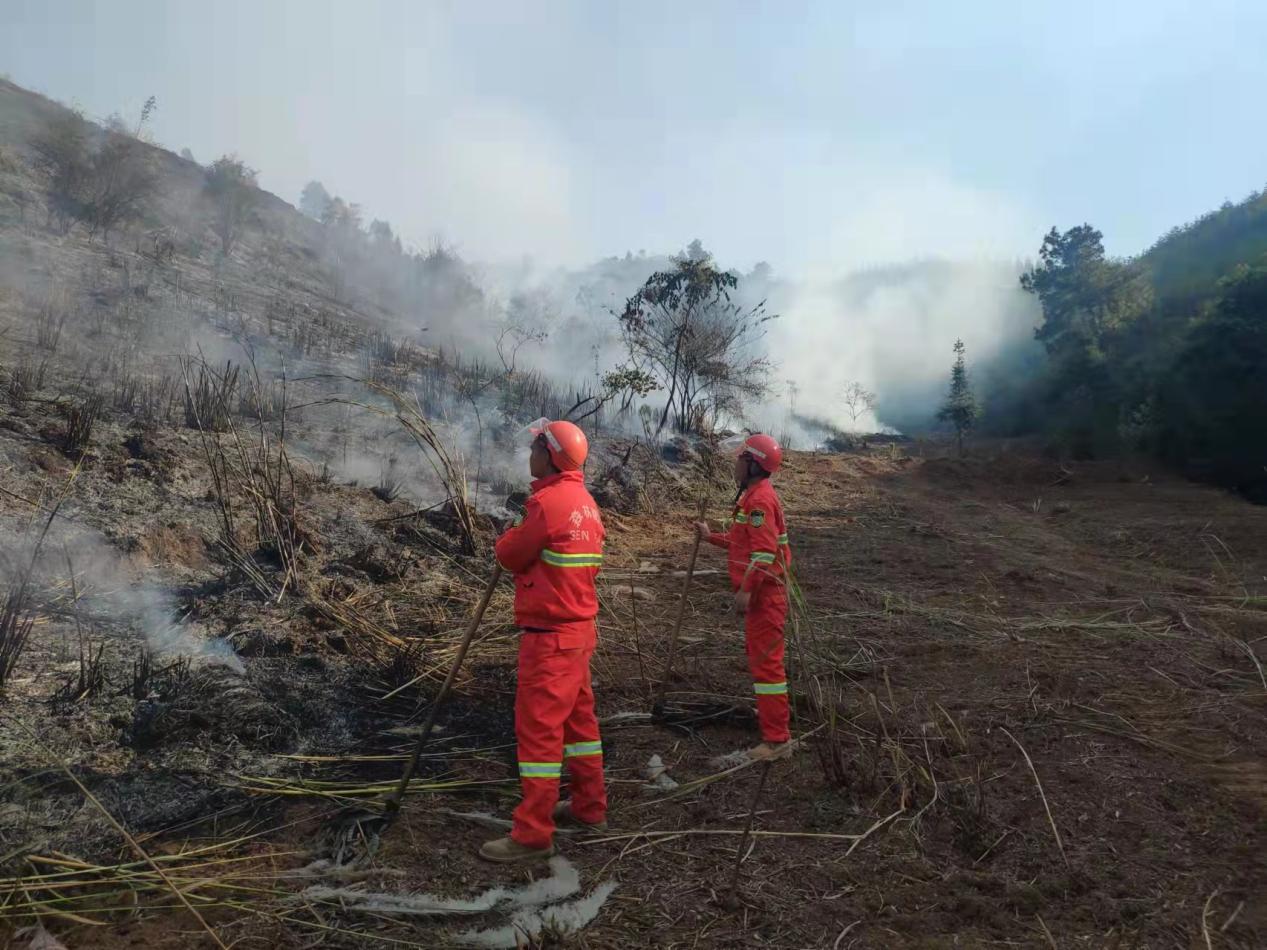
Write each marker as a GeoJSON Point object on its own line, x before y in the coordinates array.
{"type": "Point", "coordinates": [565, 442]}
{"type": "Point", "coordinates": [763, 450]}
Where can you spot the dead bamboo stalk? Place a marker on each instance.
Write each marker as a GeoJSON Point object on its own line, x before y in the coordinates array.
{"type": "Point", "coordinates": [657, 706]}
{"type": "Point", "coordinates": [1041, 794]}
{"type": "Point", "coordinates": [1205, 920]}
{"type": "Point", "coordinates": [132, 842]}
{"type": "Point", "coordinates": [392, 805]}
{"type": "Point", "coordinates": [732, 897]}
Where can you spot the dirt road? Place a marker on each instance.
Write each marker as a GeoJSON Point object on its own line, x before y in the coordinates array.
{"type": "Point", "coordinates": [982, 616]}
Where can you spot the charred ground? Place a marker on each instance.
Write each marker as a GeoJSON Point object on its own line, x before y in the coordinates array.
{"type": "Point", "coordinates": [964, 619]}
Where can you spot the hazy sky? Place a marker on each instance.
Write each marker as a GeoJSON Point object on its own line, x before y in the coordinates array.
{"type": "Point", "coordinates": [816, 136]}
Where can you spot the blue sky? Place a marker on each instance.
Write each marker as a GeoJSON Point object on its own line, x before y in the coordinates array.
{"type": "Point", "coordinates": [816, 136]}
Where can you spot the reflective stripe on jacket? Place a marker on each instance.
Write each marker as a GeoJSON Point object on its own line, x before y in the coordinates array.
{"type": "Point", "coordinates": [555, 553]}
{"type": "Point", "coordinates": [756, 538]}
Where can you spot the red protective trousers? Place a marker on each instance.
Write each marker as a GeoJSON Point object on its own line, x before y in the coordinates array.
{"type": "Point", "coordinates": [555, 722]}
{"type": "Point", "coordinates": [763, 639]}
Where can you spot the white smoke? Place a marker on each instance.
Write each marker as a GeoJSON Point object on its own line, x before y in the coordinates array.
{"type": "Point", "coordinates": [79, 571]}
{"type": "Point", "coordinates": [892, 329]}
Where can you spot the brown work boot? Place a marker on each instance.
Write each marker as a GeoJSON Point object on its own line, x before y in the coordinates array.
{"type": "Point", "coordinates": [769, 751]}
{"type": "Point", "coordinates": [563, 816]}
{"type": "Point", "coordinates": [508, 851]}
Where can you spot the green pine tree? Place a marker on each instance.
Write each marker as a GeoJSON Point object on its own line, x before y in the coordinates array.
{"type": "Point", "coordinates": [960, 408]}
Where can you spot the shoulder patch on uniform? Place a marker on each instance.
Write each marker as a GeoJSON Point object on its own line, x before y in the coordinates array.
{"type": "Point", "coordinates": [756, 518]}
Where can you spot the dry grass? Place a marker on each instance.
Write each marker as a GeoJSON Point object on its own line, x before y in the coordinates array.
{"type": "Point", "coordinates": [18, 613]}
{"type": "Point", "coordinates": [252, 473]}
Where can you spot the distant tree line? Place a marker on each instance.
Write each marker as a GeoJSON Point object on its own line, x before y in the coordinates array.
{"type": "Point", "coordinates": [1164, 354]}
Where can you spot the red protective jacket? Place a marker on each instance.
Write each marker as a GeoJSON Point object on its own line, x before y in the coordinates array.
{"type": "Point", "coordinates": [756, 539]}
{"type": "Point", "coordinates": [555, 553]}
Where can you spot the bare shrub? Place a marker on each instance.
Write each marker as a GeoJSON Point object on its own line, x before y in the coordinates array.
{"type": "Point", "coordinates": [382, 347]}
{"type": "Point", "coordinates": [125, 392]}
{"type": "Point", "coordinates": [91, 676]}
{"type": "Point", "coordinates": [390, 484]}
{"type": "Point", "coordinates": [16, 620]}
{"type": "Point", "coordinates": [209, 394]}
{"type": "Point", "coordinates": [513, 336]}
{"type": "Point", "coordinates": [49, 323]}
{"type": "Point", "coordinates": [167, 681]}
{"type": "Point", "coordinates": [26, 380]}
{"type": "Point", "coordinates": [832, 747]}
{"type": "Point", "coordinates": [262, 402]}
{"type": "Point", "coordinates": [158, 401]}
{"type": "Point", "coordinates": [400, 667]}
{"type": "Point", "coordinates": [17, 612]}
{"type": "Point", "coordinates": [257, 469]}
{"type": "Point", "coordinates": [81, 418]}
{"type": "Point", "coordinates": [432, 386]}
{"type": "Point", "coordinates": [857, 400]}
{"type": "Point", "coordinates": [969, 815]}
{"type": "Point", "coordinates": [444, 463]}
{"type": "Point", "coordinates": [388, 361]}
{"type": "Point", "coordinates": [529, 394]}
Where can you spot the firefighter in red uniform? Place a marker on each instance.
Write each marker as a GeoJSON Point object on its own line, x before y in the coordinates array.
{"type": "Point", "coordinates": [555, 553]}
{"type": "Point", "coordinates": [759, 560]}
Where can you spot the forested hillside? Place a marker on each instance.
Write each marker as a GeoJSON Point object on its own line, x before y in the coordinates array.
{"type": "Point", "coordinates": [1163, 354]}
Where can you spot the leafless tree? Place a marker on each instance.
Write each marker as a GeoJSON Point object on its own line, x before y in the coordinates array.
{"type": "Point", "coordinates": [858, 400]}
{"type": "Point", "coordinates": [511, 338]}
{"type": "Point", "coordinates": [527, 322]}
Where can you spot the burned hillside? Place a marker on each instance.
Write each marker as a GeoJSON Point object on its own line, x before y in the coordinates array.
{"type": "Point", "coordinates": [255, 462]}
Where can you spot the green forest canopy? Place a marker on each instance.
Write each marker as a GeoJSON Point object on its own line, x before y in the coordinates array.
{"type": "Point", "coordinates": [1165, 353]}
